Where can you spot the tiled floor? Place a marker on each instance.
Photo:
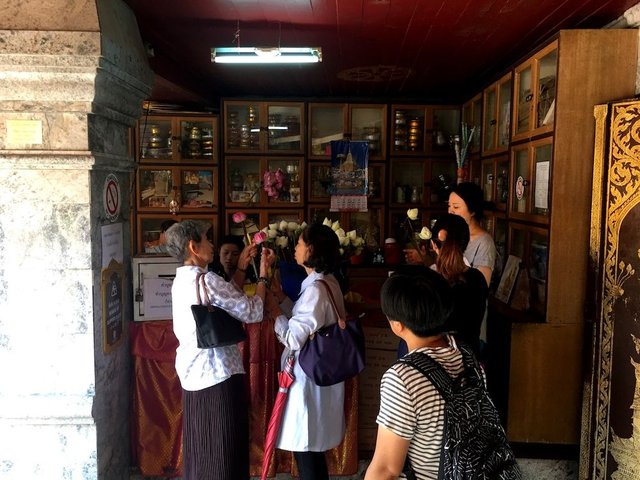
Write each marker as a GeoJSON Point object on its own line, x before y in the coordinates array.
{"type": "Point", "coordinates": [532, 469]}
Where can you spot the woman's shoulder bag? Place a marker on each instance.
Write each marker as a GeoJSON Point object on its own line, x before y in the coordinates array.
{"type": "Point", "coordinates": [334, 353]}
{"type": "Point", "coordinates": [214, 326]}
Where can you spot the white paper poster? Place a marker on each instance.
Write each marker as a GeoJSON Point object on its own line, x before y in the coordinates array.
{"type": "Point", "coordinates": [541, 193]}
{"type": "Point", "coordinates": [157, 298]}
{"type": "Point", "coordinates": [112, 244]}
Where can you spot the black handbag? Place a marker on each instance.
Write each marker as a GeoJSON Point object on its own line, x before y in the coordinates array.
{"type": "Point", "coordinates": [214, 326]}
{"type": "Point", "coordinates": [334, 353]}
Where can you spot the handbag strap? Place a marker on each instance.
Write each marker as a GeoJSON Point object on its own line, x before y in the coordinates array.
{"type": "Point", "coordinates": [341, 318]}
{"type": "Point", "coordinates": [200, 280]}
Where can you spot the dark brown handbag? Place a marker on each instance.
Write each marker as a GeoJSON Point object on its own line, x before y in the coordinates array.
{"type": "Point", "coordinates": [214, 326]}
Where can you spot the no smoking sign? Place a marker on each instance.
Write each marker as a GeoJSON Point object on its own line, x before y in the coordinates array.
{"type": "Point", "coordinates": [111, 197]}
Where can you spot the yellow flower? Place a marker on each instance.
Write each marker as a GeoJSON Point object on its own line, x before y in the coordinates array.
{"type": "Point", "coordinates": [412, 213]}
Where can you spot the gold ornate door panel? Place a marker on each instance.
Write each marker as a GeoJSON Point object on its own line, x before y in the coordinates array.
{"type": "Point", "coordinates": [611, 418]}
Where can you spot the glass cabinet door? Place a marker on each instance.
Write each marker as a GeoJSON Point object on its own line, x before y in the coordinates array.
{"type": "Point", "coordinates": [535, 85]}
{"type": "Point", "coordinates": [407, 129]}
{"type": "Point", "coordinates": [546, 89]}
{"type": "Point", "coordinates": [155, 188]}
{"type": "Point", "coordinates": [520, 179]}
{"type": "Point", "coordinates": [289, 191]}
{"type": "Point", "coordinates": [537, 265]}
{"type": "Point", "coordinates": [490, 123]}
{"type": "Point", "coordinates": [531, 180]}
{"type": "Point", "coordinates": [368, 123]}
{"type": "Point", "coordinates": [369, 225]}
{"type": "Point", "coordinates": [407, 182]}
{"type": "Point", "coordinates": [327, 122]}
{"type": "Point", "coordinates": [503, 129]}
{"type": "Point", "coordinates": [154, 141]}
{"type": "Point", "coordinates": [476, 122]}
{"type": "Point", "coordinates": [488, 179]}
{"type": "Point", "coordinates": [501, 182]}
{"type": "Point", "coordinates": [197, 139]}
{"type": "Point", "coordinates": [243, 182]}
{"type": "Point", "coordinates": [445, 123]}
{"type": "Point", "coordinates": [198, 188]}
{"type": "Point", "coordinates": [285, 128]}
{"type": "Point", "coordinates": [242, 126]}
{"type": "Point", "coordinates": [524, 100]}
{"type": "Point", "coordinates": [376, 183]}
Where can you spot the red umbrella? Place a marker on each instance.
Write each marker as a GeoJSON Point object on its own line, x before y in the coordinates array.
{"type": "Point", "coordinates": [285, 379]}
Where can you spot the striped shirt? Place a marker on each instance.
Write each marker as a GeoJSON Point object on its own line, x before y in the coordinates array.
{"type": "Point", "coordinates": [412, 408]}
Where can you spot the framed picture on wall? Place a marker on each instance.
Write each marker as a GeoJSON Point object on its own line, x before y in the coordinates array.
{"type": "Point", "coordinates": [508, 279]}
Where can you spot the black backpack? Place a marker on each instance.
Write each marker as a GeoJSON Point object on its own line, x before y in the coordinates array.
{"type": "Point", "coordinates": [475, 445]}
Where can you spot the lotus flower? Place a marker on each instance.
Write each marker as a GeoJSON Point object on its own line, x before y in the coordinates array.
{"type": "Point", "coordinates": [239, 217]}
{"type": "Point", "coordinates": [259, 237]}
{"type": "Point", "coordinates": [425, 234]}
{"type": "Point", "coordinates": [412, 213]}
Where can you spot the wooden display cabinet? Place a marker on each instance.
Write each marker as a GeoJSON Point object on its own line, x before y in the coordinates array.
{"type": "Point", "coordinates": [535, 83]}
{"type": "Point", "coordinates": [531, 166]}
{"type": "Point", "coordinates": [264, 127]}
{"type": "Point", "coordinates": [337, 121]}
{"type": "Point", "coordinates": [423, 129]}
{"type": "Point", "coordinates": [177, 139]}
{"type": "Point", "coordinates": [496, 120]}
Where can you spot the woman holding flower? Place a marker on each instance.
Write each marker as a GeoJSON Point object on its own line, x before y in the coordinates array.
{"type": "Point", "coordinates": [215, 421]}
{"type": "Point", "coordinates": [313, 420]}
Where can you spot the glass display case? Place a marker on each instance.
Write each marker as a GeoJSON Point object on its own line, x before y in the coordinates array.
{"type": "Point", "coordinates": [495, 181]}
{"type": "Point", "coordinates": [172, 139]}
{"type": "Point", "coordinates": [496, 121]}
{"type": "Point", "coordinates": [368, 225]}
{"type": "Point", "coordinates": [336, 121]}
{"type": "Point", "coordinates": [263, 127]}
{"type": "Point", "coordinates": [530, 178]}
{"type": "Point", "coordinates": [248, 185]}
{"type": "Point", "coordinates": [531, 245]}
{"type": "Point", "coordinates": [472, 116]}
{"type": "Point", "coordinates": [149, 227]}
{"type": "Point", "coordinates": [423, 129]}
{"type": "Point", "coordinates": [535, 93]}
{"type": "Point", "coordinates": [194, 188]}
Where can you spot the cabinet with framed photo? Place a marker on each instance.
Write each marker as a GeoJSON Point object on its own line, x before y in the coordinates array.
{"type": "Point", "coordinates": [193, 188]}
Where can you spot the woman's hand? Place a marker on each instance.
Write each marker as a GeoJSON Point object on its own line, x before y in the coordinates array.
{"type": "Point", "coordinates": [412, 256]}
{"type": "Point", "coordinates": [276, 287]}
{"type": "Point", "coordinates": [246, 255]}
{"type": "Point", "coordinates": [267, 259]}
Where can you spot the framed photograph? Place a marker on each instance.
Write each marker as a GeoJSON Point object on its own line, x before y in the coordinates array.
{"type": "Point", "coordinates": [508, 279]}
{"type": "Point", "coordinates": [155, 188]}
{"type": "Point", "coordinates": [197, 187]}
{"type": "Point", "coordinates": [149, 229]}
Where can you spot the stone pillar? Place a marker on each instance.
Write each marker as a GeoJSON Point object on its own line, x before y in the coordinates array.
{"type": "Point", "coordinates": [68, 94]}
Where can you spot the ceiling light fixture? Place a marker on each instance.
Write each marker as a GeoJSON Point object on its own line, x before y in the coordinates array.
{"type": "Point", "coordinates": [250, 55]}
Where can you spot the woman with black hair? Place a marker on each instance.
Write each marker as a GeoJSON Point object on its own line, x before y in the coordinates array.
{"type": "Point", "coordinates": [313, 421]}
{"type": "Point", "coordinates": [466, 200]}
{"type": "Point", "coordinates": [450, 240]}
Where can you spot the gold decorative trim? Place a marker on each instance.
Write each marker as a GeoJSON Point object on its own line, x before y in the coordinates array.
{"type": "Point", "coordinates": [622, 194]}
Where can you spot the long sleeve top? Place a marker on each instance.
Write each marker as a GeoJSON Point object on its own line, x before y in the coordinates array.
{"type": "Point", "coordinates": [200, 368]}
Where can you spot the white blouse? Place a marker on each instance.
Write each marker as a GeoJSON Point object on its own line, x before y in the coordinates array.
{"type": "Point", "coordinates": [200, 368]}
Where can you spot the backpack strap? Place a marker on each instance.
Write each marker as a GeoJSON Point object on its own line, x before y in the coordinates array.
{"type": "Point", "coordinates": [443, 382]}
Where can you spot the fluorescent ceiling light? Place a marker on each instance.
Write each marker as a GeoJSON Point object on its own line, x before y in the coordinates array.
{"type": "Point", "coordinates": [266, 55]}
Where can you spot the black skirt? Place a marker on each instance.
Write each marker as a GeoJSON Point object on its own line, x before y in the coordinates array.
{"type": "Point", "coordinates": [216, 432]}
